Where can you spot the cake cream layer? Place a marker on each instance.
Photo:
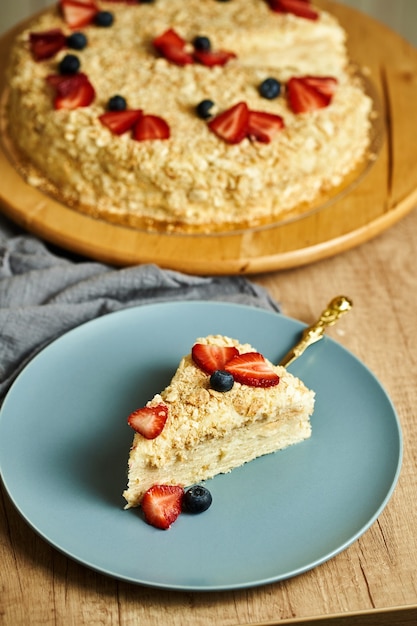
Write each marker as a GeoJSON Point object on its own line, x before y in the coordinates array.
{"type": "Point", "coordinates": [210, 432]}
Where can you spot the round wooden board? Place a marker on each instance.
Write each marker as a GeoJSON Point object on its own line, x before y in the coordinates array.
{"type": "Point", "coordinates": [385, 195]}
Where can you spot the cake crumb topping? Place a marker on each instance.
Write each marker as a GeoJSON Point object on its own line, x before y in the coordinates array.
{"type": "Point", "coordinates": [169, 170]}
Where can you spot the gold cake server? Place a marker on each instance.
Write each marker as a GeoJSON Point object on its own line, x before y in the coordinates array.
{"type": "Point", "coordinates": [334, 310]}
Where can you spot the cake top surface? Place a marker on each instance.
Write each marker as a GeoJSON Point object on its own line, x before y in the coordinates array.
{"type": "Point", "coordinates": [197, 412]}
{"type": "Point", "coordinates": [195, 179]}
{"type": "Point", "coordinates": [232, 21]}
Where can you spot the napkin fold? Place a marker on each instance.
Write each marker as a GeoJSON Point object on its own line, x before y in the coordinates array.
{"type": "Point", "coordinates": [45, 293]}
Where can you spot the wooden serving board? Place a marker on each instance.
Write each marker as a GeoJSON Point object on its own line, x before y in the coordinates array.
{"type": "Point", "coordinates": [384, 195]}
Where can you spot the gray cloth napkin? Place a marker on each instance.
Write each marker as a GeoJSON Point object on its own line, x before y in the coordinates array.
{"type": "Point", "coordinates": [43, 294]}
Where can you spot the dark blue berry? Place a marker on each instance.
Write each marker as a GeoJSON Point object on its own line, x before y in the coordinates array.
{"type": "Point", "coordinates": [202, 43]}
{"type": "Point", "coordinates": [70, 64]}
{"type": "Point", "coordinates": [270, 88]}
{"type": "Point", "coordinates": [104, 18]}
{"type": "Point", "coordinates": [203, 109]}
{"type": "Point", "coordinates": [117, 103]}
{"type": "Point", "coordinates": [197, 499]}
{"type": "Point", "coordinates": [77, 41]}
{"type": "Point", "coordinates": [221, 380]}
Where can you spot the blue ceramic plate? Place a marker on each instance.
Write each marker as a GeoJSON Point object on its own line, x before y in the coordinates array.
{"type": "Point", "coordinates": [64, 444]}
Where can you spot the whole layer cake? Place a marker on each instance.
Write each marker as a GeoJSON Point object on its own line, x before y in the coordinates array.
{"type": "Point", "coordinates": [265, 157]}
{"type": "Point", "coordinates": [195, 428]}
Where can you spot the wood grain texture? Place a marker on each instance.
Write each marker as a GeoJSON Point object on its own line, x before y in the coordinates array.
{"type": "Point", "coordinates": [385, 195]}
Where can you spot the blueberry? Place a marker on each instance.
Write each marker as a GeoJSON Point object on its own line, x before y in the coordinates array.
{"type": "Point", "coordinates": [70, 64]}
{"type": "Point", "coordinates": [270, 88]}
{"type": "Point", "coordinates": [117, 103]}
{"type": "Point", "coordinates": [202, 43]}
{"type": "Point", "coordinates": [104, 18]}
{"type": "Point", "coordinates": [221, 380]}
{"type": "Point", "coordinates": [77, 41]}
{"type": "Point", "coordinates": [203, 109]}
{"type": "Point", "coordinates": [197, 499]}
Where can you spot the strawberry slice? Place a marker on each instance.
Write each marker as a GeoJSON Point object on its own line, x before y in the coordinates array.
{"type": "Point", "coordinates": [46, 44]}
{"type": "Point", "coordinates": [78, 13]}
{"type": "Point", "coordinates": [251, 369]}
{"type": "Point", "coordinates": [210, 358]}
{"type": "Point", "coordinates": [172, 47]}
{"type": "Point", "coordinates": [175, 54]}
{"type": "Point", "coordinates": [149, 421]}
{"type": "Point", "coordinates": [55, 80]}
{"type": "Point", "coordinates": [264, 126]}
{"type": "Point", "coordinates": [169, 38]}
{"type": "Point", "coordinates": [302, 97]}
{"type": "Point", "coordinates": [71, 91]}
{"type": "Point", "coordinates": [162, 504]}
{"type": "Point", "coordinates": [300, 8]}
{"type": "Point", "coordinates": [326, 85]}
{"type": "Point", "coordinates": [120, 121]}
{"type": "Point", "coordinates": [210, 58]}
{"type": "Point", "coordinates": [231, 125]}
{"type": "Point", "coordinates": [151, 127]}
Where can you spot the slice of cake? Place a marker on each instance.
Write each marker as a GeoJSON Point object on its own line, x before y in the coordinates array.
{"type": "Point", "coordinates": [225, 406]}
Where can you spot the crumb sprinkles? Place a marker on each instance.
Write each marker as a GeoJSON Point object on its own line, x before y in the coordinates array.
{"type": "Point", "coordinates": [185, 115]}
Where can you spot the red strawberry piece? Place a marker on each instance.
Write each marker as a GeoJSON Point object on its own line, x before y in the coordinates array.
{"type": "Point", "coordinates": [264, 126]}
{"type": "Point", "coordinates": [72, 91]}
{"type": "Point", "coordinates": [175, 54]}
{"type": "Point", "coordinates": [302, 97]}
{"type": "Point", "coordinates": [162, 504]}
{"type": "Point", "coordinates": [300, 8]}
{"type": "Point", "coordinates": [46, 44]}
{"type": "Point", "coordinates": [120, 121]}
{"type": "Point", "coordinates": [169, 38]}
{"type": "Point", "coordinates": [151, 127]}
{"type": "Point", "coordinates": [326, 85]}
{"type": "Point", "coordinates": [56, 79]}
{"type": "Point", "coordinates": [64, 81]}
{"type": "Point", "coordinates": [149, 421]}
{"type": "Point", "coordinates": [172, 47]}
{"type": "Point", "coordinates": [231, 125]}
{"type": "Point", "coordinates": [210, 358]}
{"type": "Point", "coordinates": [78, 13]}
{"type": "Point", "coordinates": [210, 58]}
{"type": "Point", "coordinates": [251, 369]}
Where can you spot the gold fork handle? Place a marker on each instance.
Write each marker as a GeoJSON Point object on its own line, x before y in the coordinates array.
{"type": "Point", "coordinates": [334, 311]}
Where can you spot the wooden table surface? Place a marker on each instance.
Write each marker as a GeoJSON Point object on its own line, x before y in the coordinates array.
{"type": "Point", "coordinates": [372, 582]}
